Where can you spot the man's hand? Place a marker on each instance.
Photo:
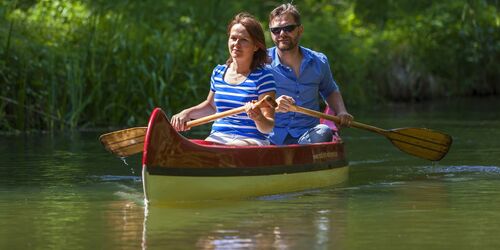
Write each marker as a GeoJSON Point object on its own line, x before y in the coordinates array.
{"type": "Point", "coordinates": [284, 103]}
{"type": "Point", "coordinates": [345, 119]}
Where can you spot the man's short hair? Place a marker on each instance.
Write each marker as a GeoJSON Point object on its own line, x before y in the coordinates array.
{"type": "Point", "coordinates": [286, 8]}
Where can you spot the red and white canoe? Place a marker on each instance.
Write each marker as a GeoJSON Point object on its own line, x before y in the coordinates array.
{"type": "Point", "coordinates": [179, 169]}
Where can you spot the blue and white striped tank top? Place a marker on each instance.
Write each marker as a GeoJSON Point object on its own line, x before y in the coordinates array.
{"type": "Point", "coordinates": [228, 96]}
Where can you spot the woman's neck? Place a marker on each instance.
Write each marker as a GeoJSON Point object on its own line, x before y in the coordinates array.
{"type": "Point", "coordinates": [236, 73]}
{"type": "Point", "coordinates": [242, 68]}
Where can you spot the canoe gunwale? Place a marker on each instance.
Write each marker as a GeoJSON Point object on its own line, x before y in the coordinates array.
{"type": "Point", "coordinates": [247, 171]}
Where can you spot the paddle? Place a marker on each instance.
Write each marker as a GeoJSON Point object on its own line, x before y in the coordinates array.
{"type": "Point", "coordinates": [130, 141]}
{"type": "Point", "coordinates": [421, 142]}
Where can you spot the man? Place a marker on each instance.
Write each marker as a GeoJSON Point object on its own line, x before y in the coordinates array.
{"type": "Point", "coordinates": [300, 74]}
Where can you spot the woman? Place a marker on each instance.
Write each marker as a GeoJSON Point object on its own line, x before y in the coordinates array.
{"type": "Point", "coordinates": [241, 80]}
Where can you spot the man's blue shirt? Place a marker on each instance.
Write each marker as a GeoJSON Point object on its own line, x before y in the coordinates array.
{"type": "Point", "coordinates": [315, 77]}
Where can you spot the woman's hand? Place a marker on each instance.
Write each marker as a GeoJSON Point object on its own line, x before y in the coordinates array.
{"type": "Point", "coordinates": [179, 121]}
{"type": "Point", "coordinates": [253, 112]}
{"type": "Point", "coordinates": [262, 115]}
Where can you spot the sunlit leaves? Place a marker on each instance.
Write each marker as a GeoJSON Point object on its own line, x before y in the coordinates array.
{"type": "Point", "coordinates": [57, 21]}
{"type": "Point", "coordinates": [99, 62]}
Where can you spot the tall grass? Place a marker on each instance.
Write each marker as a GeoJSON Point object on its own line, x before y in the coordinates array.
{"type": "Point", "coordinates": [94, 63]}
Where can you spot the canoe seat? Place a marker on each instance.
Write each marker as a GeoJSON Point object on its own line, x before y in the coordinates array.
{"type": "Point", "coordinates": [203, 142]}
{"type": "Point", "coordinates": [331, 124]}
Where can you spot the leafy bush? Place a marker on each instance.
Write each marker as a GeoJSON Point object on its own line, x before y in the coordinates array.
{"type": "Point", "coordinates": [95, 63]}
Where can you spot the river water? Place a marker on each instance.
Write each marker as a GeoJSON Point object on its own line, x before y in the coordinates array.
{"type": "Point", "coordinates": [64, 191]}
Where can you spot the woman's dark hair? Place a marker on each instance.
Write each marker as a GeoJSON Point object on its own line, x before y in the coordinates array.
{"type": "Point", "coordinates": [254, 29]}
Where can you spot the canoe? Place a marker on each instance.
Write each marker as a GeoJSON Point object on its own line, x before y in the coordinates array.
{"type": "Point", "coordinates": [177, 169]}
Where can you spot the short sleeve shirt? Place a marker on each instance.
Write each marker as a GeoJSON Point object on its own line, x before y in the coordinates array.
{"type": "Point", "coordinates": [315, 78]}
{"type": "Point", "coordinates": [229, 96]}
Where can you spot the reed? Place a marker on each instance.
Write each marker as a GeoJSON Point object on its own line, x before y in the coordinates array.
{"type": "Point", "coordinates": [86, 64]}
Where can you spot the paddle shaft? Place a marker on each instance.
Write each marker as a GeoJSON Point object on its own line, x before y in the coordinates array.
{"type": "Point", "coordinates": [421, 142]}
{"type": "Point", "coordinates": [202, 120]}
{"type": "Point", "coordinates": [336, 119]}
{"type": "Point", "coordinates": [214, 117]}
{"type": "Point", "coordinates": [130, 141]}
{"type": "Point", "coordinates": [266, 101]}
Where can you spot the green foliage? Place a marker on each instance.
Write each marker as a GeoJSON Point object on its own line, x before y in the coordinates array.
{"type": "Point", "coordinates": [434, 49]}
{"type": "Point", "coordinates": [98, 63]}
{"type": "Point", "coordinates": [94, 63]}
{"type": "Point", "coordinates": [334, 29]}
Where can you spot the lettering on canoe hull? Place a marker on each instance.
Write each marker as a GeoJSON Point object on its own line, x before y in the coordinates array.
{"type": "Point", "coordinates": [319, 157]}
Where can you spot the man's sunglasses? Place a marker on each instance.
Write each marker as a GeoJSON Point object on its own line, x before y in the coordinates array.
{"type": "Point", "coordinates": [287, 29]}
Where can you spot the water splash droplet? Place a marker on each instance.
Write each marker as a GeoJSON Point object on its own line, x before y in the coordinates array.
{"type": "Point", "coordinates": [124, 160]}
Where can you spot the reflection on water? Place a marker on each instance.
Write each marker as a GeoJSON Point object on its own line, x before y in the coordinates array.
{"type": "Point", "coordinates": [66, 192]}
{"type": "Point", "coordinates": [254, 224]}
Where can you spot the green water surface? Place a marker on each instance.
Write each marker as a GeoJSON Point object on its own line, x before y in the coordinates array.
{"type": "Point", "coordinates": [63, 191]}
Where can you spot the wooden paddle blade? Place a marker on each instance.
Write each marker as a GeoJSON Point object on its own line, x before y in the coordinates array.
{"type": "Point", "coordinates": [125, 142]}
{"type": "Point", "coordinates": [421, 142]}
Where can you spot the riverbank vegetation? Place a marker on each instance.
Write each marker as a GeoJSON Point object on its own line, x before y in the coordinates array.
{"type": "Point", "coordinates": [96, 63]}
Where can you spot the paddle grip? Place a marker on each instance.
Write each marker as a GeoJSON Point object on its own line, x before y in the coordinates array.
{"type": "Point", "coordinates": [266, 101]}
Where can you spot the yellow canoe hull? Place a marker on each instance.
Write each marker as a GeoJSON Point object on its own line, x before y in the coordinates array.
{"type": "Point", "coordinates": [167, 190]}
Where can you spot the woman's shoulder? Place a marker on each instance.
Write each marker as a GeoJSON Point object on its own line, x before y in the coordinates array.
{"type": "Point", "coordinates": [219, 69]}
{"type": "Point", "coordinates": [264, 70]}
{"type": "Point", "coordinates": [261, 75]}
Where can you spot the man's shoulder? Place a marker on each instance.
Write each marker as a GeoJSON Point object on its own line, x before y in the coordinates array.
{"type": "Point", "coordinates": [275, 61]}
{"type": "Point", "coordinates": [271, 52]}
{"type": "Point", "coordinates": [315, 55]}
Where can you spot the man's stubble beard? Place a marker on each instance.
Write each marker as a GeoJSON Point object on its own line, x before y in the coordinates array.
{"type": "Point", "coordinates": [288, 46]}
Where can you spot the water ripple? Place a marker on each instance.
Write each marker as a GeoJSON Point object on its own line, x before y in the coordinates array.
{"type": "Point", "coordinates": [464, 169]}
{"type": "Point", "coordinates": [118, 178]}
